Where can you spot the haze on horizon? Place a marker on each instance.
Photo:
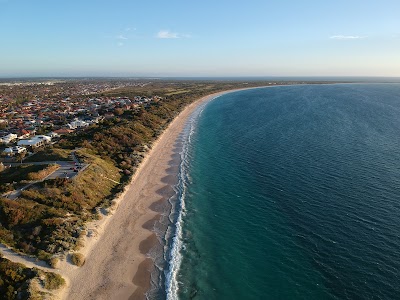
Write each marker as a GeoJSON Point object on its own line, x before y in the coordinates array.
{"type": "Point", "coordinates": [206, 38]}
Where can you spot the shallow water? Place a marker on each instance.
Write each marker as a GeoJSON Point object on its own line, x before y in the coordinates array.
{"type": "Point", "coordinates": [290, 193]}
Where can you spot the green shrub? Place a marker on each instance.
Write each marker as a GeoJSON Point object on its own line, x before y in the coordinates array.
{"type": "Point", "coordinates": [53, 281]}
{"type": "Point", "coordinates": [43, 173]}
{"type": "Point", "coordinates": [78, 259]}
{"type": "Point", "coordinates": [43, 255]}
{"type": "Point", "coordinates": [54, 262]}
{"type": "Point", "coordinates": [14, 277]}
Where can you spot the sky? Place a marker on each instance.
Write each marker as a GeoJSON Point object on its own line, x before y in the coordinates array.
{"type": "Point", "coordinates": [199, 38]}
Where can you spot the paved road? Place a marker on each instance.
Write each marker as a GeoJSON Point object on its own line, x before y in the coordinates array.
{"type": "Point", "coordinates": [69, 170]}
{"type": "Point", "coordinates": [65, 171]}
{"type": "Point", "coordinates": [16, 193]}
{"type": "Point", "coordinates": [58, 162]}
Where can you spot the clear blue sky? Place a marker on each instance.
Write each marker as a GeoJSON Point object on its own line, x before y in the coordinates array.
{"type": "Point", "coordinates": [199, 38]}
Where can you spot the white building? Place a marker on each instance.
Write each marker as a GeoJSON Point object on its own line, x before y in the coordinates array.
{"type": "Point", "coordinates": [53, 134]}
{"type": "Point", "coordinates": [78, 124]}
{"type": "Point", "coordinates": [18, 149]}
{"type": "Point", "coordinates": [14, 150]}
{"type": "Point", "coordinates": [8, 138]}
{"type": "Point", "coordinates": [36, 141]}
{"type": "Point", "coordinates": [8, 151]}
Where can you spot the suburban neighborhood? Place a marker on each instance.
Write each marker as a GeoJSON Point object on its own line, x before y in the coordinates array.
{"type": "Point", "coordinates": [35, 115]}
{"type": "Point", "coordinates": [51, 111]}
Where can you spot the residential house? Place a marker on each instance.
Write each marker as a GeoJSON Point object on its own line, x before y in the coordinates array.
{"type": "Point", "coordinates": [35, 142]}
{"type": "Point", "coordinates": [78, 124]}
{"type": "Point", "coordinates": [14, 150]}
{"type": "Point", "coordinates": [8, 138]}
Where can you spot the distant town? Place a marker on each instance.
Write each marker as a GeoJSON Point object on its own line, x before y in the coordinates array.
{"type": "Point", "coordinates": [34, 114]}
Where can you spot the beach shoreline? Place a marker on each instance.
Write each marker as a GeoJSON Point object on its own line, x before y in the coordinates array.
{"type": "Point", "coordinates": [117, 265]}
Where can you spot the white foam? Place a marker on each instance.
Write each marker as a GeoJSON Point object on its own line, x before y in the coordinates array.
{"type": "Point", "coordinates": [175, 256]}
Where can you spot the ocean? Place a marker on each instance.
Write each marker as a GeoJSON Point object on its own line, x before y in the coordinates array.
{"type": "Point", "coordinates": [289, 192]}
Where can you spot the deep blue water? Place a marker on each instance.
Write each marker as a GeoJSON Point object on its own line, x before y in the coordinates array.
{"type": "Point", "coordinates": [293, 192]}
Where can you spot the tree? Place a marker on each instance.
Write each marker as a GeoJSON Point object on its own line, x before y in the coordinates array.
{"type": "Point", "coordinates": [118, 111]}
{"type": "Point", "coordinates": [20, 156]}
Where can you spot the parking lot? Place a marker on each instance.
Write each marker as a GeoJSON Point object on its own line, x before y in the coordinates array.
{"type": "Point", "coordinates": [67, 170]}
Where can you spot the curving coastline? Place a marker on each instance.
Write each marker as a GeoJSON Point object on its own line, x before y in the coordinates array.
{"type": "Point", "coordinates": [117, 262]}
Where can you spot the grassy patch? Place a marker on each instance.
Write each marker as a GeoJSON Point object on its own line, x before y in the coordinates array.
{"type": "Point", "coordinates": [48, 218]}
{"type": "Point", "coordinates": [10, 178]}
{"type": "Point", "coordinates": [19, 173]}
{"type": "Point", "coordinates": [50, 154]}
{"type": "Point", "coordinates": [43, 173]}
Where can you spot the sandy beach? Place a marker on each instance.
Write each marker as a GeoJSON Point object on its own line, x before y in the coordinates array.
{"type": "Point", "coordinates": [117, 265]}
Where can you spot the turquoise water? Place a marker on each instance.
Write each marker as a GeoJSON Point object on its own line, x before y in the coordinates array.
{"type": "Point", "coordinates": [292, 192]}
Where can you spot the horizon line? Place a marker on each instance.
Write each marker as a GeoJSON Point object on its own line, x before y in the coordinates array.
{"type": "Point", "coordinates": [191, 76]}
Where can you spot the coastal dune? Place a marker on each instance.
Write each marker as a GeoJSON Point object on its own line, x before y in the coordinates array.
{"type": "Point", "coordinates": [117, 265]}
